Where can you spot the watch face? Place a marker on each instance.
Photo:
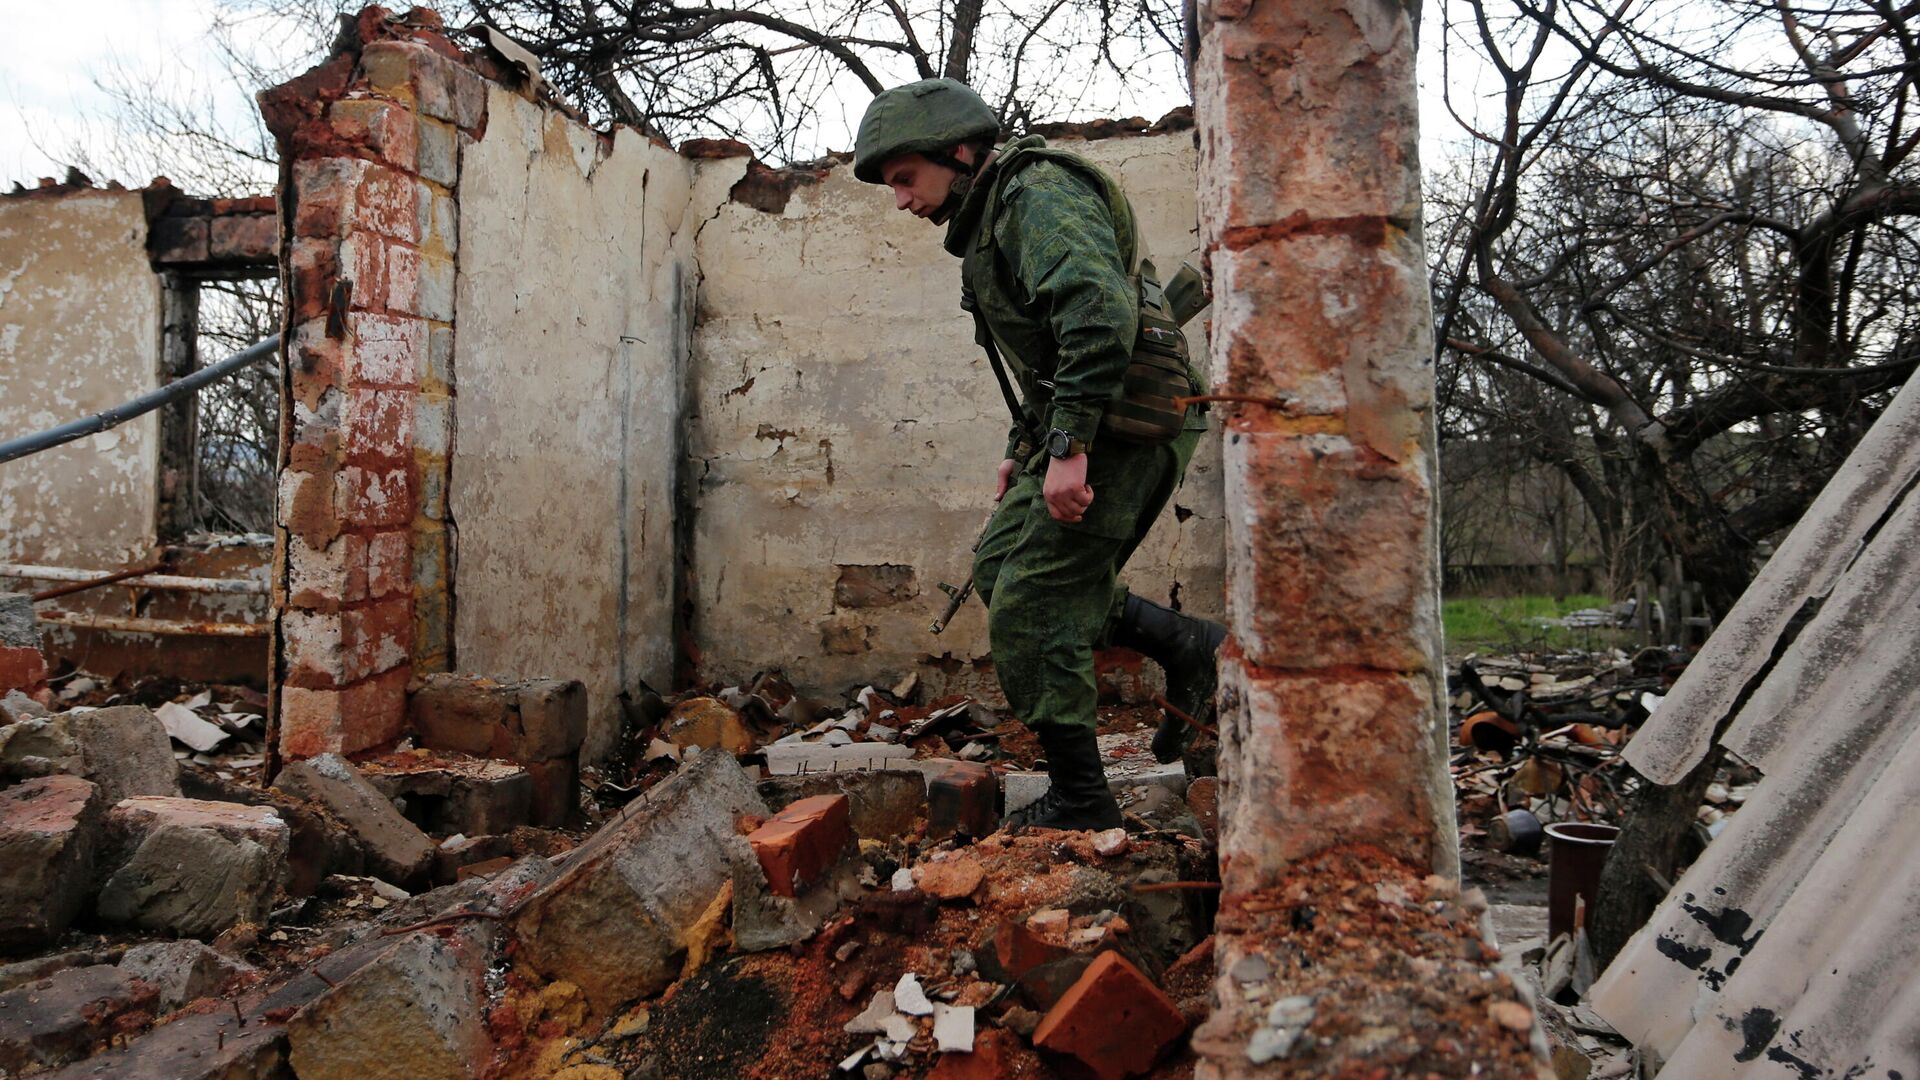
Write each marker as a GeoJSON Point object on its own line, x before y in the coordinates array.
{"type": "Point", "coordinates": [1059, 442]}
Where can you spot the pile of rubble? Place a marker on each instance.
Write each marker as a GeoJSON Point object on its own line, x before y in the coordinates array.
{"type": "Point", "coordinates": [435, 908]}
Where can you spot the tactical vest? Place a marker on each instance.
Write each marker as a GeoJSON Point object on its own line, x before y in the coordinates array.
{"type": "Point", "coordinates": [1144, 410]}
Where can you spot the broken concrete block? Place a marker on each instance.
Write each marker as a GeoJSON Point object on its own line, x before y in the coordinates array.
{"type": "Point", "coordinates": [708, 723]}
{"type": "Point", "coordinates": [201, 1046]}
{"type": "Point", "coordinates": [23, 666]}
{"type": "Point", "coordinates": [447, 794]}
{"type": "Point", "coordinates": [1022, 788]}
{"type": "Point", "coordinates": [526, 721]}
{"type": "Point", "coordinates": [192, 868]}
{"type": "Point", "coordinates": [793, 759]}
{"type": "Point", "coordinates": [317, 844]}
{"type": "Point", "coordinates": [395, 848]}
{"type": "Point", "coordinates": [49, 830]}
{"type": "Point", "coordinates": [798, 845]}
{"type": "Point", "coordinates": [762, 920]}
{"type": "Point", "coordinates": [556, 792]}
{"type": "Point", "coordinates": [16, 706]}
{"type": "Point", "coordinates": [962, 798]}
{"type": "Point", "coordinates": [417, 1010]}
{"type": "Point", "coordinates": [613, 921]}
{"type": "Point", "coordinates": [451, 859]}
{"type": "Point", "coordinates": [65, 1016]}
{"type": "Point", "coordinates": [124, 749]}
{"type": "Point", "coordinates": [1113, 1020]}
{"type": "Point", "coordinates": [881, 805]}
{"type": "Point", "coordinates": [181, 971]}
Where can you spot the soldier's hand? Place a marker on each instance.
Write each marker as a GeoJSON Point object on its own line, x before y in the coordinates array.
{"type": "Point", "coordinates": [1007, 469]}
{"type": "Point", "coordinates": [1066, 490]}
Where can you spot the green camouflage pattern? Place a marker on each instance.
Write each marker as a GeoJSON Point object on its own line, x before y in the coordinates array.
{"type": "Point", "coordinates": [1047, 244]}
{"type": "Point", "coordinates": [1052, 588]}
{"type": "Point", "coordinates": [918, 118]}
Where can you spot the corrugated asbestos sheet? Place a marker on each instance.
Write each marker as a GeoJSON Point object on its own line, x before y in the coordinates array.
{"type": "Point", "coordinates": [1792, 947]}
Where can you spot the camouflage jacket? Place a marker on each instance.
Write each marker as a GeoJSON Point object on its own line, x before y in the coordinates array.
{"type": "Point", "coordinates": [1048, 243]}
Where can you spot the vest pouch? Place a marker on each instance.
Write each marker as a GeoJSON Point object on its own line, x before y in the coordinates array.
{"type": "Point", "coordinates": [1145, 412]}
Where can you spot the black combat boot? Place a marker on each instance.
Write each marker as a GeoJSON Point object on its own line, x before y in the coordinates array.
{"type": "Point", "coordinates": [1078, 796]}
{"type": "Point", "coordinates": [1184, 647]}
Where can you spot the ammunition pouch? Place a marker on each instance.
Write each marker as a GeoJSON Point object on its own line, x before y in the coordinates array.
{"type": "Point", "coordinates": [1147, 410]}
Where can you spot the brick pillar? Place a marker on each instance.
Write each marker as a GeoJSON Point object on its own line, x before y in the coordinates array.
{"type": "Point", "coordinates": [370, 149]}
{"type": "Point", "coordinates": [1332, 699]}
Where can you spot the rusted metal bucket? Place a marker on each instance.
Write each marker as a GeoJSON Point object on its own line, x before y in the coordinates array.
{"type": "Point", "coordinates": [1573, 870]}
{"type": "Point", "coordinates": [1516, 832]}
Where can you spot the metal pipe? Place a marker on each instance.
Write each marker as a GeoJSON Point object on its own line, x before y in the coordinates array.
{"type": "Point", "coordinates": [230, 586]}
{"type": "Point", "coordinates": [145, 403]}
{"type": "Point", "coordinates": [129, 624]}
{"type": "Point", "coordinates": [94, 583]}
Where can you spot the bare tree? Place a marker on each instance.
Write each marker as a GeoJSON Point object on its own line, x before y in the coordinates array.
{"type": "Point", "coordinates": [1683, 268]}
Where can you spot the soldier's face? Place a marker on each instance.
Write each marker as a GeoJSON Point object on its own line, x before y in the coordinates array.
{"type": "Point", "coordinates": [919, 186]}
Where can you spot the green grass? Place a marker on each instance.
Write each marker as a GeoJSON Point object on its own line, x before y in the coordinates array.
{"type": "Point", "coordinates": [1505, 624]}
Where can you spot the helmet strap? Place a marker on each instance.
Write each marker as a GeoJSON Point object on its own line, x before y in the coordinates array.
{"type": "Point", "coordinates": [956, 192]}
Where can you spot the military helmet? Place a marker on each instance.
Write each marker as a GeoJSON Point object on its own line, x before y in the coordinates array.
{"type": "Point", "coordinates": [918, 118]}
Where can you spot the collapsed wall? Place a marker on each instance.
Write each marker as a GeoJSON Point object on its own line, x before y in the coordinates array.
{"type": "Point", "coordinates": [845, 429]}
{"type": "Point", "coordinates": [566, 403]}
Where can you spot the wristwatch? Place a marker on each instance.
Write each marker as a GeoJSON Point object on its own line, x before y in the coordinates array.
{"type": "Point", "coordinates": [1062, 444]}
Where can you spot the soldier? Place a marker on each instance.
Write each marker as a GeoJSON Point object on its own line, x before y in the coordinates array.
{"type": "Point", "coordinates": [1049, 248]}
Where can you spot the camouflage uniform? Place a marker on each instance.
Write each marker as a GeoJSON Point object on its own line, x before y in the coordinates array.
{"type": "Point", "coordinates": [1047, 241]}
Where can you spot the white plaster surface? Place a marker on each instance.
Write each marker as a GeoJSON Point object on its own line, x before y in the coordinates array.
{"type": "Point", "coordinates": [835, 411]}
{"type": "Point", "coordinates": [79, 333]}
{"type": "Point", "coordinates": [842, 415]}
{"type": "Point", "coordinates": [571, 326]}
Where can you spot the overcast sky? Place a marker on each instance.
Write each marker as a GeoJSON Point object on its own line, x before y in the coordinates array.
{"type": "Point", "coordinates": [52, 54]}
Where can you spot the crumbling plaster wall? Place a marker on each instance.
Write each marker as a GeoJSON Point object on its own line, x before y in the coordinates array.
{"type": "Point", "coordinates": [574, 289]}
{"type": "Point", "coordinates": [846, 428]}
{"type": "Point", "coordinates": [79, 333]}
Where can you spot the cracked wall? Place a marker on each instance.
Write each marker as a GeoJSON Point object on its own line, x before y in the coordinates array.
{"type": "Point", "coordinates": [79, 333]}
{"type": "Point", "coordinates": [574, 404]}
{"type": "Point", "coordinates": [846, 428]}
{"type": "Point", "coordinates": [574, 290]}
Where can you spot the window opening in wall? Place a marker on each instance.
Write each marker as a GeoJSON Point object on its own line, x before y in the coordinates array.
{"type": "Point", "coordinates": [237, 419]}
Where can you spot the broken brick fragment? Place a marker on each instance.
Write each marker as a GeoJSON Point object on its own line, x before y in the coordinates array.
{"type": "Point", "coordinates": [49, 829]}
{"type": "Point", "coordinates": [797, 846]}
{"type": "Point", "coordinates": [1113, 1020]}
{"type": "Point", "coordinates": [962, 798]}
{"type": "Point", "coordinates": [1020, 950]}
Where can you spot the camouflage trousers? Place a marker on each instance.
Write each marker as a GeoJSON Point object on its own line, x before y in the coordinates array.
{"type": "Point", "coordinates": [1052, 589]}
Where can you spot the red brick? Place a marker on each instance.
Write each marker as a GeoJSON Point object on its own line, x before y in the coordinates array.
{"type": "Point", "coordinates": [245, 237]}
{"type": "Point", "coordinates": [363, 261]}
{"type": "Point", "coordinates": [377, 637]}
{"type": "Point", "coordinates": [1020, 950]}
{"type": "Point", "coordinates": [797, 846]}
{"type": "Point", "coordinates": [324, 190]}
{"type": "Point", "coordinates": [311, 647]}
{"type": "Point", "coordinates": [388, 562]}
{"type": "Point", "coordinates": [1114, 1020]}
{"type": "Point", "coordinates": [316, 360]}
{"type": "Point", "coordinates": [22, 667]}
{"type": "Point", "coordinates": [375, 496]}
{"type": "Point", "coordinates": [962, 798]}
{"type": "Point", "coordinates": [374, 712]}
{"type": "Point", "coordinates": [377, 426]}
{"type": "Point", "coordinates": [388, 204]}
{"type": "Point", "coordinates": [388, 350]}
{"type": "Point", "coordinates": [556, 791]}
{"type": "Point", "coordinates": [309, 722]}
{"type": "Point", "coordinates": [179, 239]}
{"type": "Point", "coordinates": [380, 126]}
{"type": "Point", "coordinates": [314, 267]}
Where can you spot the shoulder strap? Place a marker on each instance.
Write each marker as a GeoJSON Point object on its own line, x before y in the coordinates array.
{"type": "Point", "coordinates": [984, 336]}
